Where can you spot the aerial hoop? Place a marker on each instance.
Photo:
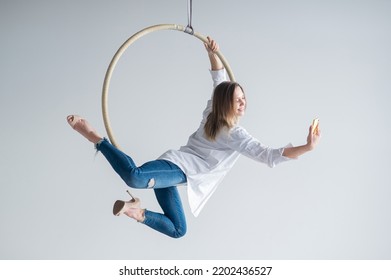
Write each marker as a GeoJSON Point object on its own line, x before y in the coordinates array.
{"type": "Point", "coordinates": [122, 49]}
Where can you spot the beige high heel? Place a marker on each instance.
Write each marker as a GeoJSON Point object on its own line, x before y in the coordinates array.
{"type": "Point", "coordinates": [121, 206]}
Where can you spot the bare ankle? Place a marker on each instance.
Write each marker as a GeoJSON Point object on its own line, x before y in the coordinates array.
{"type": "Point", "coordinates": [142, 216]}
{"type": "Point", "coordinates": [94, 137]}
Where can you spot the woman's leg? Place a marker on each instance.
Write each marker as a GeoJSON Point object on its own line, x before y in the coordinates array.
{"type": "Point", "coordinates": [119, 161]}
{"type": "Point", "coordinates": [160, 175]}
{"type": "Point", "coordinates": [154, 174]}
{"type": "Point", "coordinates": [173, 221]}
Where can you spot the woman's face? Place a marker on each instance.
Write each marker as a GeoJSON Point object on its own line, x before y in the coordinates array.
{"type": "Point", "coordinates": [239, 104]}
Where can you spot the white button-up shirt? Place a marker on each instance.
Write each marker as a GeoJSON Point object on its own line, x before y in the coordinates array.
{"type": "Point", "coordinates": [206, 162]}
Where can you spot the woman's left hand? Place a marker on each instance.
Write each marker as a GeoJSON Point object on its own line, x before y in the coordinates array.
{"type": "Point", "coordinates": [212, 46]}
{"type": "Point", "coordinates": [313, 137]}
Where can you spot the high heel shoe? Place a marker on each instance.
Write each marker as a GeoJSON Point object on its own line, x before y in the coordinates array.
{"type": "Point", "coordinates": [121, 206]}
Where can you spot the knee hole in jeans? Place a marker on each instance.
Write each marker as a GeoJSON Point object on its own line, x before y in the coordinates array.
{"type": "Point", "coordinates": [151, 183]}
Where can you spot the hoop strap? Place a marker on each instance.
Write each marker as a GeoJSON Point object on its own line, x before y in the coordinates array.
{"type": "Point", "coordinates": [189, 28]}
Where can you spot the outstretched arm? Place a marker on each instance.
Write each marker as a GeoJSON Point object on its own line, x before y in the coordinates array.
{"type": "Point", "coordinates": [312, 141]}
{"type": "Point", "coordinates": [212, 47]}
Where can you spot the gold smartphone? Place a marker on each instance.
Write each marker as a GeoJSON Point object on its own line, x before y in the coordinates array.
{"type": "Point", "coordinates": [315, 124]}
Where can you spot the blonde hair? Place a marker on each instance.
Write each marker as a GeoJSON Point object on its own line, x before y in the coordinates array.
{"type": "Point", "coordinates": [223, 114]}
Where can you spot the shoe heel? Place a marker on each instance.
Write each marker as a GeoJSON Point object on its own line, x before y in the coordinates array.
{"type": "Point", "coordinates": [121, 206]}
{"type": "Point", "coordinates": [133, 198]}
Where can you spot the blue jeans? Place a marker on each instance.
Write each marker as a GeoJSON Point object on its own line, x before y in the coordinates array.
{"type": "Point", "coordinates": [160, 175]}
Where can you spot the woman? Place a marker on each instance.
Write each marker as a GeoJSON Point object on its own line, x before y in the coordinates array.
{"type": "Point", "coordinates": [210, 153]}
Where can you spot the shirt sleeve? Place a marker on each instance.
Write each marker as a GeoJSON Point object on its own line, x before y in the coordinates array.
{"type": "Point", "coordinates": [241, 141]}
{"type": "Point", "coordinates": [218, 76]}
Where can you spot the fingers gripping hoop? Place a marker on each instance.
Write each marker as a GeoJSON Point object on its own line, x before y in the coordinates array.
{"type": "Point", "coordinates": [122, 49]}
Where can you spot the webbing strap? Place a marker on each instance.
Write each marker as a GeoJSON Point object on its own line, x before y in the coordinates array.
{"type": "Point", "coordinates": [189, 28]}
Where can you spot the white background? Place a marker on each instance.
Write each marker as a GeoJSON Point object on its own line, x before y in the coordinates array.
{"type": "Point", "coordinates": [295, 59]}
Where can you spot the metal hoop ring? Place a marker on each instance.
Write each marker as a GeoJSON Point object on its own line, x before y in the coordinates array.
{"type": "Point", "coordinates": [122, 49]}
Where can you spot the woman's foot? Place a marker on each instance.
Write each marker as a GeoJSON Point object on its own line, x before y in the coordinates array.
{"type": "Point", "coordinates": [136, 213]}
{"type": "Point", "coordinates": [84, 128]}
{"type": "Point", "coordinates": [130, 208]}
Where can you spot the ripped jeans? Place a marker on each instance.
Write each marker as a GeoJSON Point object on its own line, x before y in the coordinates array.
{"type": "Point", "coordinates": [160, 175]}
